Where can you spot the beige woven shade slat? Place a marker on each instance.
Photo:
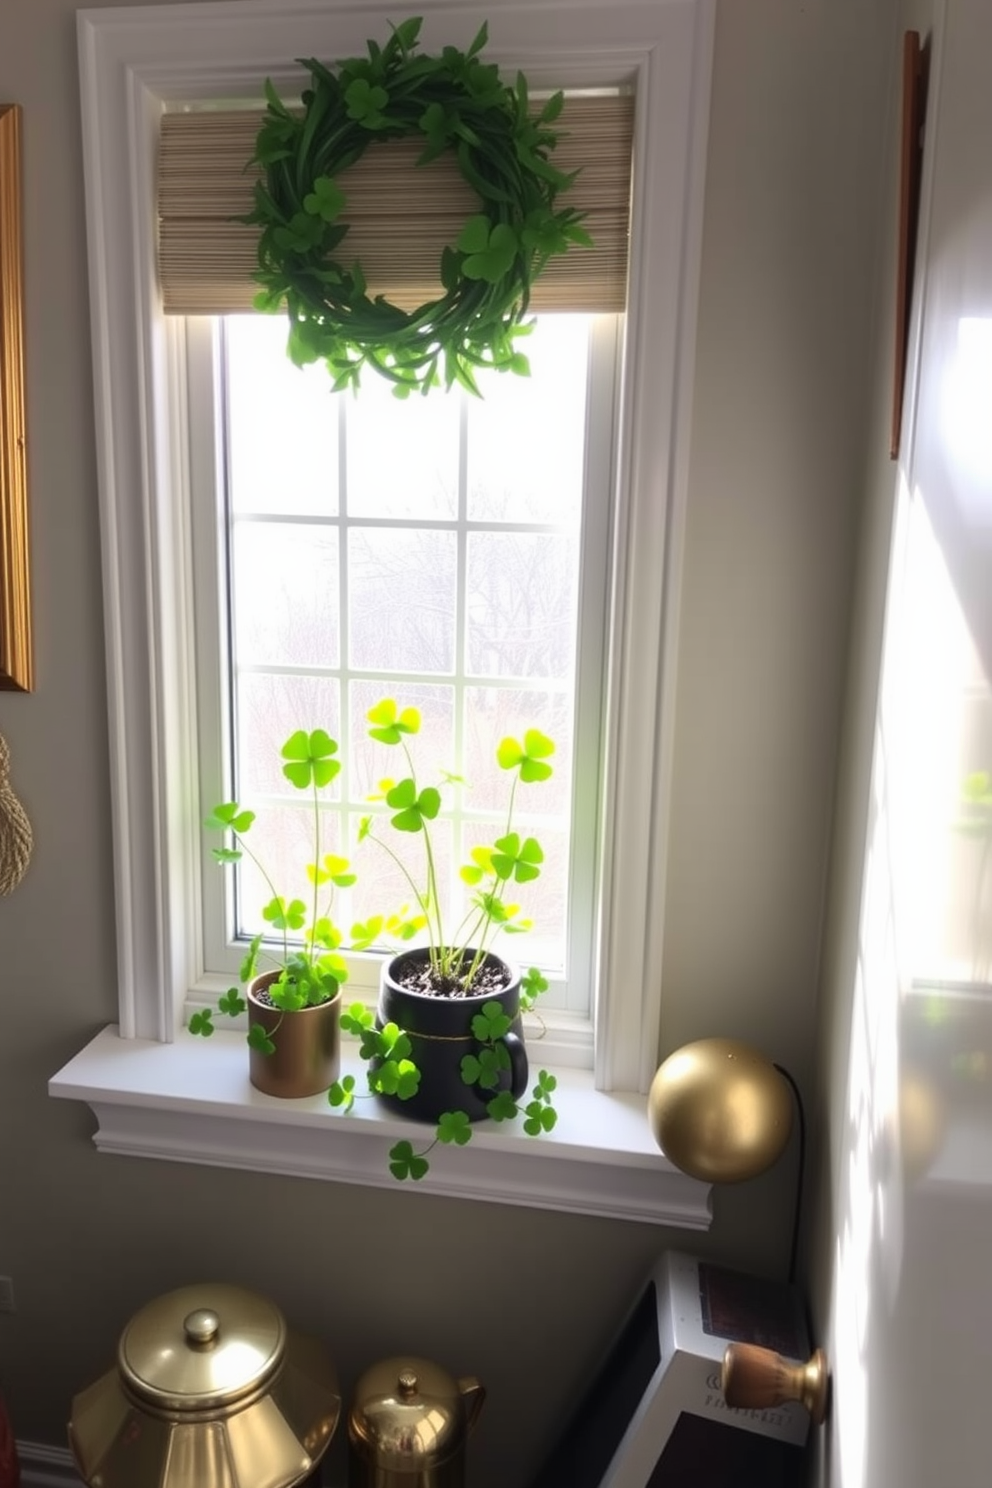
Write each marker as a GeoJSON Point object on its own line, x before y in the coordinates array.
{"type": "Point", "coordinates": [400, 217]}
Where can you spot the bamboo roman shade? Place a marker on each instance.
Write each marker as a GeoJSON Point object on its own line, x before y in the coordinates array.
{"type": "Point", "coordinates": [400, 217]}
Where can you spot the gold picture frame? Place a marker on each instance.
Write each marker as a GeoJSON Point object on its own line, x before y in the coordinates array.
{"type": "Point", "coordinates": [914, 86]}
{"type": "Point", "coordinates": [16, 671]}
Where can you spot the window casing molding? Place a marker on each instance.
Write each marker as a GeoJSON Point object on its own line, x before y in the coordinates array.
{"type": "Point", "coordinates": [135, 61]}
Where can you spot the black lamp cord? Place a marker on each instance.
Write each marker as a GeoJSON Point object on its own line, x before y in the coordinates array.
{"type": "Point", "coordinates": [800, 1175]}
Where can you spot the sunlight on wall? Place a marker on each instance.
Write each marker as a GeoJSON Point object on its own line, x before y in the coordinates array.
{"type": "Point", "coordinates": [966, 417]}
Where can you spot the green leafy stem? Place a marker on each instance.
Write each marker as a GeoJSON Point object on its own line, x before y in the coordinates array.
{"type": "Point", "coordinates": [510, 860]}
{"type": "Point", "coordinates": [311, 973]}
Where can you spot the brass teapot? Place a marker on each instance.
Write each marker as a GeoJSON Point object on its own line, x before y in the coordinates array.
{"type": "Point", "coordinates": [211, 1389]}
{"type": "Point", "coordinates": [408, 1425]}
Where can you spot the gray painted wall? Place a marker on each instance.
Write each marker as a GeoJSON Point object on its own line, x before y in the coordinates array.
{"type": "Point", "coordinates": [792, 204]}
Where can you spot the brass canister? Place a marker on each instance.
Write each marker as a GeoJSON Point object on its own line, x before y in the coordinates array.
{"type": "Point", "coordinates": [211, 1389]}
{"type": "Point", "coordinates": [408, 1425]}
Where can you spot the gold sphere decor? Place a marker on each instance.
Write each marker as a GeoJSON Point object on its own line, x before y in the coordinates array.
{"type": "Point", "coordinates": [720, 1110]}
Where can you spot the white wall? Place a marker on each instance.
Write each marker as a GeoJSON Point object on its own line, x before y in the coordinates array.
{"type": "Point", "coordinates": [776, 458]}
{"type": "Point", "coordinates": [901, 1224]}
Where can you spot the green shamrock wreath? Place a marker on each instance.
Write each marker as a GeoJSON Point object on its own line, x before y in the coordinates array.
{"type": "Point", "coordinates": [453, 101]}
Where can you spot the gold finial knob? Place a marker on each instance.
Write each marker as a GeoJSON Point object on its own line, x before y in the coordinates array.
{"type": "Point", "coordinates": [720, 1111]}
{"type": "Point", "coordinates": [754, 1378]}
{"type": "Point", "coordinates": [407, 1384]}
{"type": "Point", "coordinates": [201, 1327]}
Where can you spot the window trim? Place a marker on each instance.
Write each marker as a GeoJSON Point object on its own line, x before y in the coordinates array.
{"type": "Point", "coordinates": [130, 61]}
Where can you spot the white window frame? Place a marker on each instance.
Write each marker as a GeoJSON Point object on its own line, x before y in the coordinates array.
{"type": "Point", "coordinates": [135, 61]}
{"type": "Point", "coordinates": [567, 1034]}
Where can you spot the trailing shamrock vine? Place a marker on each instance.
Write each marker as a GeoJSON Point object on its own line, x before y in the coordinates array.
{"type": "Point", "coordinates": [393, 1071]}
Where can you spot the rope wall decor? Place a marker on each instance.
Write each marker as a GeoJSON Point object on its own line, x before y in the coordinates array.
{"type": "Point", "coordinates": [16, 839]}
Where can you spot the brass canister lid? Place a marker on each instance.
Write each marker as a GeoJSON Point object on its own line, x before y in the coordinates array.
{"type": "Point", "coordinates": [408, 1415]}
{"type": "Point", "coordinates": [201, 1348]}
{"type": "Point", "coordinates": [211, 1388]}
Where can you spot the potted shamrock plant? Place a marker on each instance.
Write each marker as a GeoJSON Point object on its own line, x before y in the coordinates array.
{"type": "Point", "coordinates": [293, 994]}
{"type": "Point", "coordinates": [446, 1045]}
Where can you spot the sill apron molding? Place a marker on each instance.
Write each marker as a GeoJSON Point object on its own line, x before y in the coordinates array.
{"type": "Point", "coordinates": [183, 1103]}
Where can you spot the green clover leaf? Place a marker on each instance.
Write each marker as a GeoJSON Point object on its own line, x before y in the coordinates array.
{"type": "Point", "coordinates": [405, 1163]}
{"type": "Point", "coordinates": [310, 759]}
{"type": "Point", "coordinates": [539, 1118]}
{"type": "Point", "coordinates": [532, 984]}
{"type": "Point", "coordinates": [397, 1077]}
{"type": "Point", "coordinates": [480, 867]}
{"type": "Point", "coordinates": [484, 1069]}
{"type": "Point", "coordinates": [365, 101]}
{"type": "Point", "coordinates": [342, 1093]}
{"type": "Point", "coordinates": [229, 817]}
{"type": "Point", "coordinates": [489, 251]}
{"type": "Point", "coordinates": [490, 1023]}
{"type": "Point", "coordinates": [518, 860]}
{"type": "Point", "coordinates": [357, 1019]}
{"type": "Point", "coordinates": [325, 200]}
{"type": "Point", "coordinates": [414, 809]}
{"type": "Point", "coordinates": [333, 869]}
{"type": "Point", "coordinates": [201, 1022]}
{"type": "Point", "coordinates": [366, 932]}
{"type": "Point", "coordinates": [283, 916]}
{"type": "Point", "coordinates": [454, 1126]}
{"type": "Point", "coordinates": [249, 965]}
{"type": "Point", "coordinates": [259, 1040]}
{"type": "Point", "coordinates": [530, 757]}
{"type": "Point", "coordinates": [390, 723]}
{"type": "Point", "coordinates": [393, 1041]}
{"type": "Point", "coordinates": [232, 1002]}
{"type": "Point", "coordinates": [502, 1107]}
{"type": "Point", "coordinates": [326, 935]}
{"type": "Point", "coordinates": [300, 234]}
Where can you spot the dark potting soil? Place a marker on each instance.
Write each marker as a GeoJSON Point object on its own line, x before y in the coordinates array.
{"type": "Point", "coordinates": [417, 976]}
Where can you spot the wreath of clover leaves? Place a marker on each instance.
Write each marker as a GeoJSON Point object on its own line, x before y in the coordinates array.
{"type": "Point", "coordinates": [452, 102]}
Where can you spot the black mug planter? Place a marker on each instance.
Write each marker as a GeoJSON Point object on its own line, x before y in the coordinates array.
{"type": "Point", "coordinates": [440, 1033]}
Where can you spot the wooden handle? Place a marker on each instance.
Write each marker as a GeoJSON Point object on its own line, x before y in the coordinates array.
{"type": "Point", "coordinates": [754, 1378]}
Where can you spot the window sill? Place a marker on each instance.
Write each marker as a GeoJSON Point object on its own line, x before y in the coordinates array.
{"type": "Point", "coordinates": [192, 1102]}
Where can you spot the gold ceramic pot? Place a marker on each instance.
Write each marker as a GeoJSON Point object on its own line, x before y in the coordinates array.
{"type": "Point", "coordinates": [211, 1390]}
{"type": "Point", "coordinates": [408, 1425]}
{"type": "Point", "coordinates": [307, 1058]}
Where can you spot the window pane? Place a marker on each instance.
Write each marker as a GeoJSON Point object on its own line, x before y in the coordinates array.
{"type": "Point", "coordinates": [269, 709]}
{"type": "Point", "coordinates": [542, 901]}
{"type": "Point", "coordinates": [282, 840]}
{"type": "Point", "coordinates": [401, 588]}
{"type": "Point", "coordinates": [521, 604]}
{"type": "Point", "coordinates": [495, 713]}
{"type": "Point", "coordinates": [535, 475]}
{"type": "Point", "coordinates": [382, 886]}
{"type": "Point", "coordinates": [402, 454]}
{"type": "Point", "coordinates": [283, 424]}
{"type": "Point", "coordinates": [285, 587]}
{"type": "Point", "coordinates": [432, 749]}
{"type": "Point", "coordinates": [425, 582]}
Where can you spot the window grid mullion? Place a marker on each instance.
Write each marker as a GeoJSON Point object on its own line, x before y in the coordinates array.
{"type": "Point", "coordinates": [461, 613]}
{"type": "Point", "coordinates": [344, 631]}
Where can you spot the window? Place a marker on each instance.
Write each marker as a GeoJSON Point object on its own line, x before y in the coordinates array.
{"type": "Point", "coordinates": [135, 65]}
{"type": "Point", "coordinates": [449, 551]}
